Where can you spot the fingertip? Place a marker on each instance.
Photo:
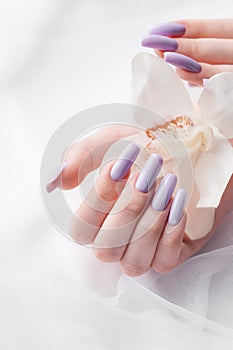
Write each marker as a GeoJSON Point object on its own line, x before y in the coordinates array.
{"type": "Point", "coordinates": [55, 178]}
{"type": "Point", "coordinates": [159, 53]}
{"type": "Point", "coordinates": [194, 79]}
{"type": "Point", "coordinates": [79, 162]}
{"type": "Point", "coordinates": [192, 84]}
{"type": "Point", "coordinates": [69, 178]}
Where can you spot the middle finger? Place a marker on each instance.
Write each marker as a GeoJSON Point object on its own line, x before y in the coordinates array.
{"type": "Point", "coordinates": [116, 231]}
{"type": "Point", "coordinates": [213, 51]}
{"type": "Point", "coordinates": [140, 253]}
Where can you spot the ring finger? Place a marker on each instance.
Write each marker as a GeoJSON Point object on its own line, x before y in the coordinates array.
{"type": "Point", "coordinates": [138, 257]}
{"type": "Point", "coordinates": [117, 229]}
{"type": "Point", "coordinates": [207, 71]}
{"type": "Point", "coordinates": [214, 51]}
{"type": "Point", "coordinates": [168, 252]}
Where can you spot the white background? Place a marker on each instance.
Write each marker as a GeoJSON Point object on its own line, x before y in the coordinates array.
{"type": "Point", "coordinates": [58, 57]}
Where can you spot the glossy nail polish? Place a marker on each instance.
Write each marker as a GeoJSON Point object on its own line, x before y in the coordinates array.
{"type": "Point", "coordinates": [177, 207]}
{"type": "Point", "coordinates": [149, 173]}
{"type": "Point", "coordinates": [52, 183]}
{"type": "Point", "coordinates": [125, 161]}
{"type": "Point", "coordinates": [164, 192]}
{"type": "Point", "coordinates": [183, 62]}
{"type": "Point", "coordinates": [168, 29]}
{"type": "Point", "coordinates": [160, 42]}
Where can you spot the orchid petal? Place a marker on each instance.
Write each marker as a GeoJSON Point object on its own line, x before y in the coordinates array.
{"type": "Point", "coordinates": [199, 220]}
{"type": "Point", "coordinates": [216, 102]}
{"type": "Point", "coordinates": [156, 86]}
{"type": "Point", "coordinates": [213, 170]}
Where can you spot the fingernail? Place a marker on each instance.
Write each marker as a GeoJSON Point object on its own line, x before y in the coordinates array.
{"type": "Point", "coordinates": [124, 163]}
{"type": "Point", "coordinates": [168, 29]}
{"type": "Point", "coordinates": [164, 192]}
{"type": "Point", "coordinates": [149, 173]}
{"type": "Point", "coordinates": [160, 42]}
{"type": "Point", "coordinates": [53, 182]}
{"type": "Point", "coordinates": [177, 207]}
{"type": "Point", "coordinates": [182, 61]}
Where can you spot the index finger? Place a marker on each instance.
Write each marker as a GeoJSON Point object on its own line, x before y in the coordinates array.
{"type": "Point", "coordinates": [86, 155]}
{"type": "Point", "coordinates": [196, 28]}
{"type": "Point", "coordinates": [208, 28]}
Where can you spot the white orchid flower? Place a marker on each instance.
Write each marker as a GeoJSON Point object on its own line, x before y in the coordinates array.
{"type": "Point", "coordinates": [202, 131]}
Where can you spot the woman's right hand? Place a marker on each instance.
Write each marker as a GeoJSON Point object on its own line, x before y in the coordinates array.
{"type": "Point", "coordinates": [130, 218]}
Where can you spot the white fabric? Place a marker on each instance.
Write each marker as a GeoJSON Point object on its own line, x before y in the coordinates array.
{"type": "Point", "coordinates": [55, 294]}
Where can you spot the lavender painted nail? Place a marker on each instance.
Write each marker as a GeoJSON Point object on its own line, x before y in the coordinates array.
{"type": "Point", "coordinates": [149, 173]}
{"type": "Point", "coordinates": [52, 183]}
{"type": "Point", "coordinates": [183, 62]}
{"type": "Point", "coordinates": [164, 192]}
{"type": "Point", "coordinates": [168, 29]}
{"type": "Point", "coordinates": [125, 161]}
{"type": "Point", "coordinates": [177, 207]}
{"type": "Point", "coordinates": [160, 42]}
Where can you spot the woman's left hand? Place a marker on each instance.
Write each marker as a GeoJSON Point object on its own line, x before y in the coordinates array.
{"type": "Point", "coordinates": [198, 48]}
{"type": "Point", "coordinates": [135, 222]}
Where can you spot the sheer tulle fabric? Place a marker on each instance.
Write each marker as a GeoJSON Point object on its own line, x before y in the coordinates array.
{"type": "Point", "coordinates": [63, 296]}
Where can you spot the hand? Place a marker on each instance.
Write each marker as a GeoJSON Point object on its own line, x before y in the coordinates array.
{"type": "Point", "coordinates": [133, 221]}
{"type": "Point", "coordinates": [199, 48]}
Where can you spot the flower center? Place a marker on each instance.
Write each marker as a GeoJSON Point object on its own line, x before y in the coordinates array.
{"type": "Point", "coordinates": [177, 127]}
{"type": "Point", "coordinates": [195, 137]}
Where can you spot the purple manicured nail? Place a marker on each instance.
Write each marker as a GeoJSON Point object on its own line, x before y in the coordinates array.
{"type": "Point", "coordinates": [160, 42]}
{"type": "Point", "coordinates": [52, 183]}
{"type": "Point", "coordinates": [149, 173]}
{"type": "Point", "coordinates": [168, 29]}
{"type": "Point", "coordinates": [125, 161]}
{"type": "Point", "coordinates": [164, 192]}
{"type": "Point", "coordinates": [183, 62]}
{"type": "Point", "coordinates": [177, 207]}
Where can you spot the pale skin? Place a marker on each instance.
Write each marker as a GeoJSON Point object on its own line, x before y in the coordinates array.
{"type": "Point", "coordinates": [210, 42]}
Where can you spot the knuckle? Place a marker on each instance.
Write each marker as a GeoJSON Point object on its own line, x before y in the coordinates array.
{"type": "Point", "coordinates": [133, 269]}
{"type": "Point", "coordinates": [107, 254]}
{"type": "Point", "coordinates": [170, 242]}
{"type": "Point", "coordinates": [194, 48]}
{"type": "Point", "coordinates": [107, 194]}
{"type": "Point", "coordinates": [163, 267]}
{"type": "Point", "coordinates": [134, 208]}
